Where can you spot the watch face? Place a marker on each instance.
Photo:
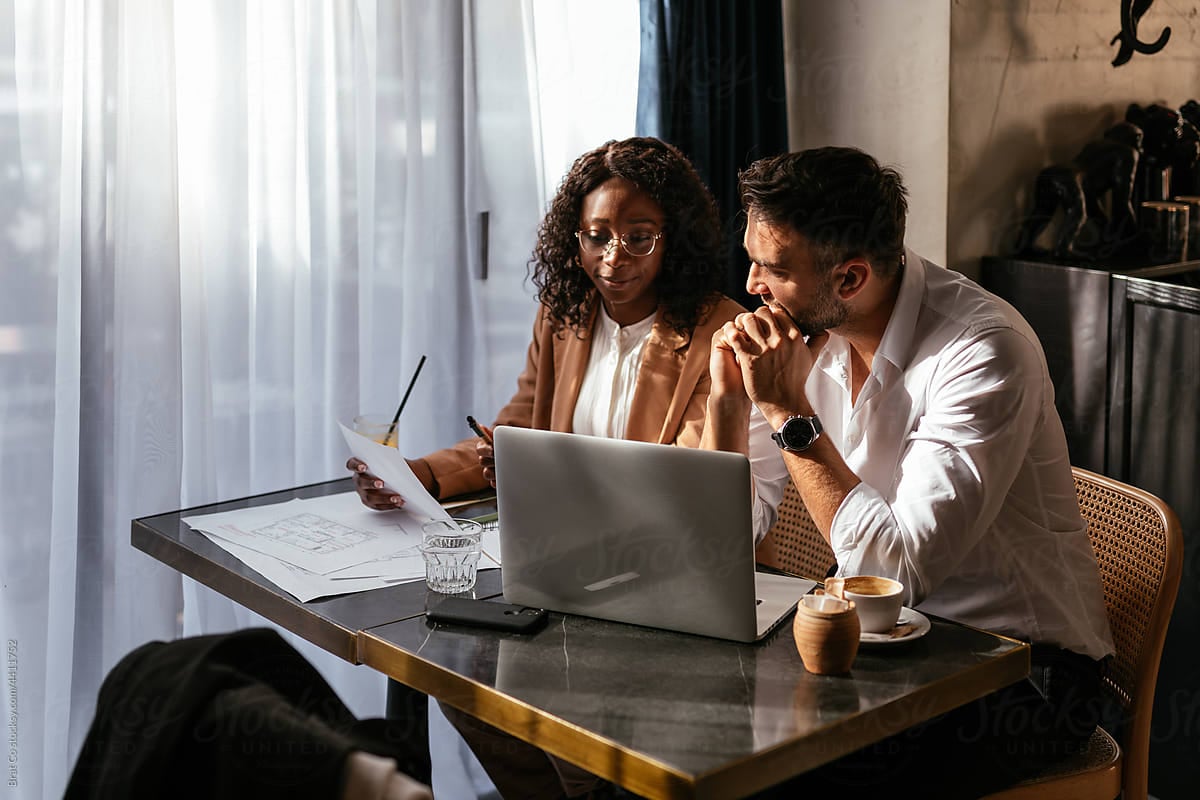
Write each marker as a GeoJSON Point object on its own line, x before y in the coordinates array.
{"type": "Point", "coordinates": [797, 434]}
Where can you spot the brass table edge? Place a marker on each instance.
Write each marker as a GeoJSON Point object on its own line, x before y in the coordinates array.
{"type": "Point", "coordinates": [564, 739]}
{"type": "Point", "coordinates": [752, 773]}
{"type": "Point", "coordinates": [759, 771]}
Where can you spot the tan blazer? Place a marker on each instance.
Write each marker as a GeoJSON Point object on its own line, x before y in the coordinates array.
{"type": "Point", "coordinates": [668, 404]}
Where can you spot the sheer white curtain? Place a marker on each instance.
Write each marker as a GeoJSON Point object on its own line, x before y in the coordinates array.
{"type": "Point", "coordinates": [223, 226]}
{"type": "Point", "coordinates": [356, 249]}
{"type": "Point", "coordinates": [583, 73]}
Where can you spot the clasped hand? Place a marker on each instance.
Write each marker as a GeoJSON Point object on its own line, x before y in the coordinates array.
{"type": "Point", "coordinates": [764, 355]}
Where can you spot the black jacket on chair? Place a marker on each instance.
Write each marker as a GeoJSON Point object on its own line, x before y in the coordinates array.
{"type": "Point", "coordinates": [226, 716]}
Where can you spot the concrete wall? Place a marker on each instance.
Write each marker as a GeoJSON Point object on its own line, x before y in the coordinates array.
{"type": "Point", "coordinates": [971, 98]}
{"type": "Point", "coordinates": [874, 74]}
{"type": "Point", "coordinates": [1031, 82]}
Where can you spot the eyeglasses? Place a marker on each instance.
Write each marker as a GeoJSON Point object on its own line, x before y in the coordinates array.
{"type": "Point", "coordinates": [598, 243]}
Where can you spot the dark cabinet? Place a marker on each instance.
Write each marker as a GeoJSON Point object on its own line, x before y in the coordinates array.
{"type": "Point", "coordinates": [1068, 307]}
{"type": "Point", "coordinates": [1124, 352]}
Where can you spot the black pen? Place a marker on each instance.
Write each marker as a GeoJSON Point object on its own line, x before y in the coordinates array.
{"type": "Point", "coordinates": [480, 431]}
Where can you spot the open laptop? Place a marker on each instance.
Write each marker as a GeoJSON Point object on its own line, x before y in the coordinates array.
{"type": "Point", "coordinates": [641, 533]}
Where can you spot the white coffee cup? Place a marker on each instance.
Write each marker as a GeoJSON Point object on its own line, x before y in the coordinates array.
{"type": "Point", "coordinates": [878, 601]}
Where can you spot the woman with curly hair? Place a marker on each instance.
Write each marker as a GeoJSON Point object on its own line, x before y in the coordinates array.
{"type": "Point", "coordinates": [628, 268]}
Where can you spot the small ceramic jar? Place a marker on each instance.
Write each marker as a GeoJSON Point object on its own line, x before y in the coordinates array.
{"type": "Point", "coordinates": [826, 631]}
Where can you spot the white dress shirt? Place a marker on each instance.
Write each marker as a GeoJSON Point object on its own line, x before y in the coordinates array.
{"type": "Point", "coordinates": [966, 494]}
{"type": "Point", "coordinates": [607, 392]}
{"type": "Point", "coordinates": [611, 377]}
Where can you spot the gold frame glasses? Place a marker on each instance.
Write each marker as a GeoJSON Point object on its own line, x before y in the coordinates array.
{"type": "Point", "coordinates": [590, 245]}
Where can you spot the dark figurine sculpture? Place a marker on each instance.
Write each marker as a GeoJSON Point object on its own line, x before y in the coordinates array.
{"type": "Point", "coordinates": [1103, 166]}
{"type": "Point", "coordinates": [1170, 149]}
{"type": "Point", "coordinates": [1131, 14]}
{"type": "Point", "coordinates": [1189, 183]}
{"type": "Point", "coordinates": [1185, 156]}
{"type": "Point", "coordinates": [1105, 191]}
{"type": "Point", "coordinates": [1191, 112]}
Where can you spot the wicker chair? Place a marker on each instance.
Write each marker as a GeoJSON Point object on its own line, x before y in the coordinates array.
{"type": "Point", "coordinates": [1139, 546]}
{"type": "Point", "coordinates": [794, 544]}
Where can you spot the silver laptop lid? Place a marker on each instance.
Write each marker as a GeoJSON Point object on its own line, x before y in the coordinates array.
{"type": "Point", "coordinates": [641, 533]}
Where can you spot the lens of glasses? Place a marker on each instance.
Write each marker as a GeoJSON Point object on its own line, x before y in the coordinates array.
{"type": "Point", "coordinates": [596, 243]}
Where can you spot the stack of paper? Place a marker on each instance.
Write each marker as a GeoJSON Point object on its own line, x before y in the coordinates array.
{"type": "Point", "coordinates": [333, 545]}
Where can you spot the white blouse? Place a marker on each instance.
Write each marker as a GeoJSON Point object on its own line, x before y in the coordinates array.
{"type": "Point", "coordinates": [611, 376]}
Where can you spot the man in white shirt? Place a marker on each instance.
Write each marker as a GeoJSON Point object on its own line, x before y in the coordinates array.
{"type": "Point", "coordinates": [916, 417]}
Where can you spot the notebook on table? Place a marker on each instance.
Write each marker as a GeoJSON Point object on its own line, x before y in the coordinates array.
{"type": "Point", "coordinates": [647, 534]}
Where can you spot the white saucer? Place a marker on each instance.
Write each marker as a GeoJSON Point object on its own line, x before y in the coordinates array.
{"type": "Point", "coordinates": [920, 627]}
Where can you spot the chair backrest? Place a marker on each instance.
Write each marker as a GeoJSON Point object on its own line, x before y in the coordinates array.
{"type": "Point", "coordinates": [794, 544]}
{"type": "Point", "coordinates": [1139, 547]}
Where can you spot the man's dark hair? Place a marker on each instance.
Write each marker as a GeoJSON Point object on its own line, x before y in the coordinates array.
{"type": "Point", "coordinates": [840, 199]}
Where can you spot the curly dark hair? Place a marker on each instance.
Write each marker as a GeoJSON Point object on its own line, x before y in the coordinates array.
{"type": "Point", "coordinates": [838, 198]}
{"type": "Point", "coordinates": [692, 271]}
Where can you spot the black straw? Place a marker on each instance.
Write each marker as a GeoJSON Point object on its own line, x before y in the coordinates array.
{"type": "Point", "coordinates": [392, 428]}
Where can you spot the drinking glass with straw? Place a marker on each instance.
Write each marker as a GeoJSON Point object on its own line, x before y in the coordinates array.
{"type": "Point", "coordinates": [376, 426]}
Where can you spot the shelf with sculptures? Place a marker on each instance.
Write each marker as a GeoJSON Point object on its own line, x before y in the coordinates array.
{"type": "Point", "coordinates": [1115, 302]}
{"type": "Point", "coordinates": [1130, 199]}
{"type": "Point", "coordinates": [1114, 297]}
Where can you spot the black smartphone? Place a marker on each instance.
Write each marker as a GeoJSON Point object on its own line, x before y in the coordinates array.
{"type": "Point", "coordinates": [487, 614]}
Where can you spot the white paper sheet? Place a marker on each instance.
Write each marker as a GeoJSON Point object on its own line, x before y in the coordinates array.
{"type": "Point", "coordinates": [298, 582]}
{"type": "Point", "coordinates": [351, 549]}
{"type": "Point", "coordinates": [334, 545]}
{"type": "Point", "coordinates": [388, 463]}
{"type": "Point", "coordinates": [321, 535]}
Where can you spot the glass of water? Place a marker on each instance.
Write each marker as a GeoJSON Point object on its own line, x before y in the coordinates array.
{"type": "Point", "coordinates": [451, 548]}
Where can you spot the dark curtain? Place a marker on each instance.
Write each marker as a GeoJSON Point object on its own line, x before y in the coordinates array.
{"type": "Point", "coordinates": [712, 83]}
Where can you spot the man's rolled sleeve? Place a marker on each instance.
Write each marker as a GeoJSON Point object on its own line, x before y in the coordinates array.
{"type": "Point", "coordinates": [864, 537]}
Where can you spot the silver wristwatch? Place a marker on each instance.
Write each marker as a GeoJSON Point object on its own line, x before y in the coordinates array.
{"type": "Point", "coordinates": [798, 433]}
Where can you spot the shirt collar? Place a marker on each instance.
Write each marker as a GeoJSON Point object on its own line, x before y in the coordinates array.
{"type": "Point", "coordinates": [898, 336]}
{"type": "Point", "coordinates": [607, 328]}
